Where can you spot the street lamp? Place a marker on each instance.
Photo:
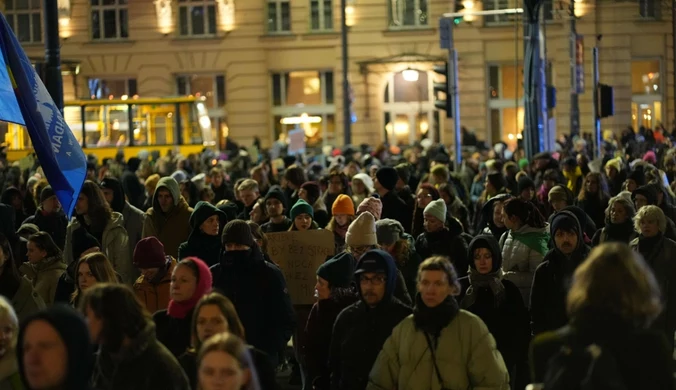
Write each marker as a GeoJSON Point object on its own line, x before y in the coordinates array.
{"type": "Point", "coordinates": [411, 75]}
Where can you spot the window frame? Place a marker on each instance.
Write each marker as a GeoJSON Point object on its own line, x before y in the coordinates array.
{"type": "Point", "coordinates": [205, 5]}
{"type": "Point", "coordinates": [279, 21]}
{"type": "Point", "coordinates": [645, 5]}
{"type": "Point", "coordinates": [14, 15]}
{"type": "Point", "coordinates": [500, 103]}
{"type": "Point", "coordinates": [322, 85]}
{"type": "Point", "coordinates": [321, 22]}
{"type": "Point", "coordinates": [129, 82]}
{"type": "Point", "coordinates": [218, 94]}
{"type": "Point", "coordinates": [401, 25]}
{"type": "Point", "coordinates": [100, 9]}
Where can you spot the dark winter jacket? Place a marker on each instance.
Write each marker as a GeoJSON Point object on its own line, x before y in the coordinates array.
{"type": "Point", "coordinates": [200, 244]}
{"type": "Point", "coordinates": [395, 208]}
{"type": "Point", "coordinates": [551, 282]}
{"type": "Point", "coordinates": [643, 356]}
{"type": "Point", "coordinates": [223, 192]}
{"type": "Point", "coordinates": [19, 214]}
{"type": "Point", "coordinates": [444, 243]}
{"type": "Point", "coordinates": [595, 209]}
{"type": "Point", "coordinates": [144, 365]}
{"type": "Point", "coordinates": [408, 197]}
{"type": "Point", "coordinates": [136, 192]}
{"type": "Point", "coordinates": [359, 334]}
{"type": "Point", "coordinates": [53, 223]}
{"type": "Point", "coordinates": [258, 291]}
{"type": "Point", "coordinates": [270, 227]}
{"type": "Point", "coordinates": [318, 331]}
{"type": "Point", "coordinates": [173, 333]}
{"type": "Point", "coordinates": [615, 232]}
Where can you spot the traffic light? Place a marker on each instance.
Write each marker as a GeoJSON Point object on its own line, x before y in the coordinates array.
{"type": "Point", "coordinates": [458, 8]}
{"type": "Point", "coordinates": [445, 87]}
{"type": "Point", "coordinates": [606, 105]}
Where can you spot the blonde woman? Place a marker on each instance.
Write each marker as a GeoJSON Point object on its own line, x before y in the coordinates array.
{"type": "Point", "coordinates": [225, 352]}
{"type": "Point", "coordinates": [10, 379]}
{"type": "Point", "coordinates": [612, 303]}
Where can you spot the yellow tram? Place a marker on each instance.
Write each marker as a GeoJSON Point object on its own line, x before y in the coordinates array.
{"type": "Point", "coordinates": [133, 124]}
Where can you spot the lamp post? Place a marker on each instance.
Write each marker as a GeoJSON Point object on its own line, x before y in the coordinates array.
{"type": "Point", "coordinates": [574, 97]}
{"type": "Point", "coordinates": [53, 80]}
{"type": "Point", "coordinates": [536, 135]}
{"type": "Point", "coordinates": [347, 114]}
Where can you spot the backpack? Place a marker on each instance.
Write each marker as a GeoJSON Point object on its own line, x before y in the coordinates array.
{"type": "Point", "coordinates": [583, 367]}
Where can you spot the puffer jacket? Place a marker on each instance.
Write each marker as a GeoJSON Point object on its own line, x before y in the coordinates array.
{"type": "Point", "coordinates": [45, 276]}
{"type": "Point", "coordinates": [115, 245]}
{"type": "Point", "coordinates": [172, 228]}
{"type": "Point", "coordinates": [466, 355]}
{"type": "Point", "coordinates": [519, 260]}
{"type": "Point", "coordinates": [155, 296]}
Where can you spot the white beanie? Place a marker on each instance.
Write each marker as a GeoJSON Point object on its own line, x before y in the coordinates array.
{"type": "Point", "coordinates": [362, 231]}
{"type": "Point", "coordinates": [437, 209]}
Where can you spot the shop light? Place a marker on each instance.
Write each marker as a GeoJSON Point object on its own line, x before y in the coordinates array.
{"type": "Point", "coordinates": [300, 120]}
{"type": "Point", "coordinates": [411, 75]}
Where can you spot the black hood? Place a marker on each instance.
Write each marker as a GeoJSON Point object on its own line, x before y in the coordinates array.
{"type": "Point", "coordinates": [649, 191]}
{"type": "Point", "coordinates": [385, 260]}
{"type": "Point", "coordinates": [487, 211]}
{"type": "Point", "coordinates": [119, 200]}
{"type": "Point", "coordinates": [489, 242]}
{"type": "Point", "coordinates": [8, 194]}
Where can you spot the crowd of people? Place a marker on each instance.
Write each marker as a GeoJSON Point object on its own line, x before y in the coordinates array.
{"type": "Point", "coordinates": [503, 272]}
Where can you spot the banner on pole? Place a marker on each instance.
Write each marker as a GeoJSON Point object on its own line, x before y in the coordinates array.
{"type": "Point", "coordinates": [578, 64]}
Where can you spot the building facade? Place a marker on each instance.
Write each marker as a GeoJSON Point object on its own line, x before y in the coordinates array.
{"type": "Point", "coordinates": [269, 66]}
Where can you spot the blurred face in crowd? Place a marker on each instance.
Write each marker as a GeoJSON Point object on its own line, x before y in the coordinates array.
{"type": "Point", "coordinates": [322, 288]}
{"type": "Point", "coordinates": [640, 201]}
{"type": "Point", "coordinates": [351, 169]}
{"type": "Point", "coordinates": [378, 187]}
{"type": "Point", "coordinates": [432, 224]}
{"type": "Point", "coordinates": [497, 214]}
{"type": "Point", "coordinates": [335, 185]}
{"type": "Point", "coordinates": [558, 204]}
{"type": "Point", "coordinates": [45, 356]}
{"type": "Point", "coordinates": [490, 188]}
{"type": "Point", "coordinates": [51, 204]}
{"type": "Point", "coordinates": [185, 193]}
{"type": "Point", "coordinates": [434, 287]}
{"type": "Point", "coordinates": [257, 214]}
{"type": "Point", "coordinates": [302, 194]}
{"type": "Point", "coordinates": [108, 194]}
{"type": "Point", "coordinates": [566, 241]}
{"type": "Point", "coordinates": [483, 260]}
{"type": "Point", "coordinates": [7, 333]}
{"type": "Point", "coordinates": [528, 194]}
{"type": "Point", "coordinates": [34, 254]}
{"type": "Point", "coordinates": [649, 227]}
{"type": "Point", "coordinates": [423, 197]}
{"type": "Point", "coordinates": [549, 183]}
{"type": "Point", "coordinates": [358, 187]}
{"type": "Point", "coordinates": [512, 222]}
{"type": "Point", "coordinates": [618, 214]}
{"type": "Point", "coordinates": [591, 185]}
{"type": "Point", "coordinates": [216, 180]}
{"type": "Point", "coordinates": [82, 205]}
{"type": "Point", "coordinates": [541, 163]}
{"type": "Point", "coordinates": [341, 219]}
{"type": "Point", "coordinates": [248, 197]}
{"type": "Point", "coordinates": [211, 225]}
{"type": "Point", "coordinates": [611, 172]}
{"type": "Point", "coordinates": [303, 222]}
{"type": "Point", "coordinates": [274, 207]}
{"type": "Point", "coordinates": [183, 283]}
{"type": "Point", "coordinates": [631, 185]}
{"type": "Point", "coordinates": [85, 278]}
{"type": "Point", "coordinates": [257, 176]}
{"type": "Point", "coordinates": [221, 371]}
{"type": "Point", "coordinates": [210, 321]}
{"type": "Point", "coordinates": [372, 171]}
{"type": "Point", "coordinates": [165, 199]}
{"type": "Point", "coordinates": [372, 287]}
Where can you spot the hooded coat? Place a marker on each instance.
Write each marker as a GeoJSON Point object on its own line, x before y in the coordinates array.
{"type": "Point", "coordinates": [114, 244]}
{"type": "Point", "coordinates": [24, 300]}
{"type": "Point", "coordinates": [360, 332]}
{"type": "Point", "coordinates": [144, 364]}
{"type": "Point", "coordinates": [258, 291]}
{"type": "Point", "coordinates": [509, 322]}
{"type": "Point", "coordinates": [200, 244]}
{"type": "Point", "coordinates": [553, 279]}
{"type": "Point", "coordinates": [53, 223]}
{"type": "Point", "coordinates": [45, 277]}
{"type": "Point", "coordinates": [171, 228]}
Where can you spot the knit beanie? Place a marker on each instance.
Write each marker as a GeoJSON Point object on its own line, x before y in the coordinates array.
{"type": "Point", "coordinates": [637, 175]}
{"type": "Point", "coordinates": [525, 183]}
{"type": "Point", "coordinates": [301, 207]}
{"type": "Point", "coordinates": [404, 172]}
{"type": "Point", "coordinates": [342, 205]}
{"type": "Point", "coordinates": [362, 231]}
{"type": "Point", "coordinates": [614, 163]}
{"type": "Point", "coordinates": [388, 231]}
{"type": "Point", "coordinates": [496, 180]}
{"type": "Point", "coordinates": [565, 220]}
{"type": "Point", "coordinates": [149, 253]}
{"type": "Point", "coordinates": [237, 232]}
{"type": "Point", "coordinates": [313, 191]}
{"type": "Point", "coordinates": [276, 193]}
{"type": "Point", "coordinates": [557, 193]}
{"type": "Point", "coordinates": [372, 205]}
{"type": "Point", "coordinates": [46, 193]}
{"type": "Point", "coordinates": [649, 191]}
{"type": "Point", "coordinates": [437, 209]}
{"type": "Point", "coordinates": [387, 177]}
{"type": "Point", "coordinates": [338, 271]}
{"type": "Point", "coordinates": [650, 157]}
{"type": "Point", "coordinates": [523, 163]}
{"type": "Point", "coordinates": [151, 181]}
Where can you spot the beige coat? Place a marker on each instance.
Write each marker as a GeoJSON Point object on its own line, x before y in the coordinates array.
{"type": "Point", "coordinates": [45, 277]}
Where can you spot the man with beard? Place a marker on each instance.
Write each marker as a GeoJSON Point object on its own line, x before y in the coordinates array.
{"type": "Point", "coordinates": [553, 277]}
{"type": "Point", "coordinates": [275, 206]}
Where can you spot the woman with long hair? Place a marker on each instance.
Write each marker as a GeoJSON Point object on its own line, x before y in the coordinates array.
{"type": "Point", "coordinates": [44, 266]}
{"type": "Point", "coordinates": [338, 185]}
{"type": "Point", "coordinates": [594, 197]}
{"type": "Point", "coordinates": [619, 226]}
{"type": "Point", "coordinates": [94, 215]}
{"type": "Point", "coordinates": [91, 269]}
{"type": "Point", "coordinates": [524, 245]}
{"type": "Point", "coordinates": [342, 216]}
{"type": "Point", "coordinates": [612, 302]}
{"type": "Point", "coordinates": [226, 352]}
{"type": "Point", "coordinates": [215, 314]}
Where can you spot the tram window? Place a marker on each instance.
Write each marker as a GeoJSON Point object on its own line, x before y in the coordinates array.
{"type": "Point", "coordinates": [192, 132]}
{"type": "Point", "coordinates": [153, 124]}
{"type": "Point", "coordinates": [106, 125]}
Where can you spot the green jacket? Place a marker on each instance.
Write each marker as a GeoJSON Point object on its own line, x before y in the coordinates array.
{"type": "Point", "coordinates": [466, 355]}
{"type": "Point", "coordinates": [45, 277]}
{"type": "Point", "coordinates": [26, 301]}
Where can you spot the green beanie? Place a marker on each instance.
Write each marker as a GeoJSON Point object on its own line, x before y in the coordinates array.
{"type": "Point", "coordinates": [523, 163]}
{"type": "Point", "coordinates": [301, 207]}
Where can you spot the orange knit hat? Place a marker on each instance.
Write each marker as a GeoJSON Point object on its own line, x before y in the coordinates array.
{"type": "Point", "coordinates": [342, 205]}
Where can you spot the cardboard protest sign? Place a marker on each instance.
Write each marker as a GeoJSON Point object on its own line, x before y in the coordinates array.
{"type": "Point", "coordinates": [299, 254]}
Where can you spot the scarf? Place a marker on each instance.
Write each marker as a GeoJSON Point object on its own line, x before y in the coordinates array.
{"type": "Point", "coordinates": [180, 310]}
{"type": "Point", "coordinates": [433, 319]}
{"type": "Point", "coordinates": [646, 245]}
{"type": "Point", "coordinates": [619, 232]}
{"type": "Point", "coordinates": [492, 280]}
{"type": "Point", "coordinates": [536, 241]}
{"type": "Point", "coordinates": [572, 177]}
{"type": "Point", "coordinates": [341, 230]}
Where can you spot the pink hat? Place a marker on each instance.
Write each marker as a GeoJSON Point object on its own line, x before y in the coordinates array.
{"type": "Point", "coordinates": [372, 205]}
{"type": "Point", "coordinates": [650, 157]}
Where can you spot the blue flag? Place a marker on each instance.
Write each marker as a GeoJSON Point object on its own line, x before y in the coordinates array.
{"type": "Point", "coordinates": [57, 149]}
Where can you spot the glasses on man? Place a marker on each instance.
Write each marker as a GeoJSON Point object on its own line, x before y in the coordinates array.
{"type": "Point", "coordinates": [377, 280]}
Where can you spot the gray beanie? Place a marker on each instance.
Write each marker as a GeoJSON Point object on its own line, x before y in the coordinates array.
{"type": "Point", "coordinates": [388, 231]}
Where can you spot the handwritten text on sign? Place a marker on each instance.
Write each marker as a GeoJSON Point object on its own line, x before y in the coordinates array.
{"type": "Point", "coordinates": [299, 254]}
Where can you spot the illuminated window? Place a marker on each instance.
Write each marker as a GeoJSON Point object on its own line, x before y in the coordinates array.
{"type": "Point", "coordinates": [212, 87]}
{"type": "Point", "coordinates": [645, 78]}
{"type": "Point", "coordinates": [302, 87]}
{"type": "Point", "coordinates": [25, 18]}
{"type": "Point", "coordinates": [505, 103]}
{"type": "Point", "coordinates": [408, 13]}
{"type": "Point", "coordinates": [279, 16]}
{"type": "Point", "coordinates": [197, 17]}
{"type": "Point", "coordinates": [321, 15]}
{"type": "Point", "coordinates": [110, 19]}
{"type": "Point", "coordinates": [647, 98]}
{"type": "Point", "coordinates": [111, 88]}
{"type": "Point", "coordinates": [505, 82]}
